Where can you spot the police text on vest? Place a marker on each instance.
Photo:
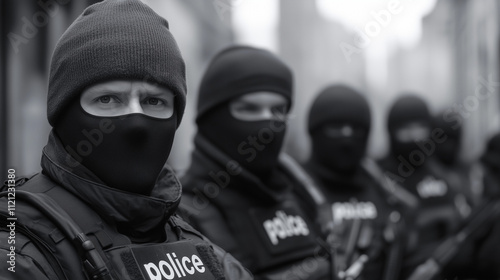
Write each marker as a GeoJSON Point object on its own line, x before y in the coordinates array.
{"type": "Point", "coordinates": [283, 226]}
{"type": "Point", "coordinates": [175, 268]}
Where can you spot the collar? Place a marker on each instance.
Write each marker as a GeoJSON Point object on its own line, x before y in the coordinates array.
{"type": "Point", "coordinates": [334, 181]}
{"type": "Point", "coordinates": [207, 159]}
{"type": "Point", "coordinates": [139, 214]}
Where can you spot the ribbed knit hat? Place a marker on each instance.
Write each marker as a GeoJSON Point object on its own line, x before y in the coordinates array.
{"type": "Point", "coordinates": [115, 39]}
{"type": "Point", "coordinates": [341, 104]}
{"type": "Point", "coordinates": [238, 70]}
{"type": "Point", "coordinates": [407, 109]}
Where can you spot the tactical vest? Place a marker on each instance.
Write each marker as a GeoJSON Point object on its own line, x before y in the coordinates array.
{"type": "Point", "coordinates": [184, 255]}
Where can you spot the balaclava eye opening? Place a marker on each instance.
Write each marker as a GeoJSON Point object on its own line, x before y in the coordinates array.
{"type": "Point", "coordinates": [339, 105]}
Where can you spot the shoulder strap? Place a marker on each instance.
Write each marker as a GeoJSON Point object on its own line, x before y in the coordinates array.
{"type": "Point", "coordinates": [93, 263]}
{"type": "Point", "coordinates": [300, 175]}
{"type": "Point", "coordinates": [81, 213]}
{"type": "Point", "coordinates": [389, 186]}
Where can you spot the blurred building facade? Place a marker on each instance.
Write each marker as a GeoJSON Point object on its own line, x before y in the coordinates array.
{"type": "Point", "coordinates": [29, 30]}
{"type": "Point", "coordinates": [310, 44]}
{"type": "Point", "coordinates": [200, 27]}
{"type": "Point", "coordinates": [458, 49]}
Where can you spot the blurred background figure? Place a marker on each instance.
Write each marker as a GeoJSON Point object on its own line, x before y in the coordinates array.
{"type": "Point", "coordinates": [442, 49]}
{"type": "Point", "coordinates": [487, 243]}
{"type": "Point", "coordinates": [236, 189]}
{"type": "Point", "coordinates": [491, 162]}
{"type": "Point", "coordinates": [445, 50]}
{"type": "Point", "coordinates": [465, 178]}
{"type": "Point", "coordinates": [411, 165]}
{"type": "Point", "coordinates": [358, 209]}
{"type": "Point", "coordinates": [448, 154]}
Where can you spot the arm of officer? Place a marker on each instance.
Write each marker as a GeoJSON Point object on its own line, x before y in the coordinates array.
{"type": "Point", "coordinates": [25, 261]}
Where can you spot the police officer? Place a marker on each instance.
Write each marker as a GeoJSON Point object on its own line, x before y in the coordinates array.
{"type": "Point", "coordinates": [411, 165]}
{"type": "Point", "coordinates": [237, 191]}
{"type": "Point", "coordinates": [487, 262]}
{"type": "Point", "coordinates": [359, 209]}
{"type": "Point", "coordinates": [473, 252]}
{"type": "Point", "coordinates": [103, 205]}
{"type": "Point", "coordinates": [466, 179]}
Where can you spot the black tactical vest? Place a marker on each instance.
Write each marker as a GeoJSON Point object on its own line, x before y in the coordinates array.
{"type": "Point", "coordinates": [184, 255]}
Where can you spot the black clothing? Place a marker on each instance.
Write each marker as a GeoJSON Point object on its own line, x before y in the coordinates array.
{"type": "Point", "coordinates": [262, 223]}
{"type": "Point", "coordinates": [130, 218]}
{"type": "Point", "coordinates": [346, 112]}
{"type": "Point", "coordinates": [409, 165]}
{"type": "Point", "coordinates": [238, 70]}
{"type": "Point", "coordinates": [408, 109]}
{"type": "Point", "coordinates": [115, 40]}
{"type": "Point", "coordinates": [357, 196]}
{"type": "Point", "coordinates": [339, 104]}
{"type": "Point", "coordinates": [357, 209]}
{"type": "Point", "coordinates": [255, 145]}
{"type": "Point", "coordinates": [126, 152]}
{"type": "Point", "coordinates": [448, 151]}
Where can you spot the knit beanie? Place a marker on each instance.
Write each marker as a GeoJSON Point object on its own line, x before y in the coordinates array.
{"type": "Point", "coordinates": [115, 39]}
{"type": "Point", "coordinates": [408, 109]}
{"type": "Point", "coordinates": [239, 70]}
{"type": "Point", "coordinates": [340, 104]}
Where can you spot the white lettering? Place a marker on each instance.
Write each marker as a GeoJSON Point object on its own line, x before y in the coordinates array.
{"type": "Point", "coordinates": [173, 267]}
{"type": "Point", "coordinates": [359, 210]}
{"type": "Point", "coordinates": [283, 226]}
{"type": "Point", "coordinates": [430, 187]}
{"type": "Point", "coordinates": [188, 270]}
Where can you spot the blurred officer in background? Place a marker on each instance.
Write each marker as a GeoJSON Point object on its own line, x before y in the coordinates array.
{"type": "Point", "coordinates": [359, 209]}
{"type": "Point", "coordinates": [466, 179]}
{"type": "Point", "coordinates": [491, 162]}
{"type": "Point", "coordinates": [472, 252]}
{"type": "Point", "coordinates": [410, 164]}
{"type": "Point", "coordinates": [103, 205]}
{"type": "Point", "coordinates": [237, 191]}
{"type": "Point", "coordinates": [487, 258]}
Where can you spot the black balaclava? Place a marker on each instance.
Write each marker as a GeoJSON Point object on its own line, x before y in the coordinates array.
{"type": "Point", "coordinates": [406, 110]}
{"type": "Point", "coordinates": [232, 73]}
{"type": "Point", "coordinates": [116, 40]}
{"type": "Point", "coordinates": [127, 155]}
{"type": "Point", "coordinates": [339, 105]}
{"type": "Point", "coordinates": [448, 151]}
{"type": "Point", "coordinates": [491, 155]}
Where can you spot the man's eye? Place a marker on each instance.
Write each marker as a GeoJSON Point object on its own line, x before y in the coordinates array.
{"type": "Point", "coordinates": [154, 101]}
{"type": "Point", "coordinates": [105, 99]}
{"type": "Point", "coordinates": [249, 108]}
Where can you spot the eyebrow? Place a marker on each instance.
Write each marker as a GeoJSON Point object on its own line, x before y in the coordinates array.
{"type": "Point", "coordinates": [106, 91]}
{"type": "Point", "coordinates": [157, 93]}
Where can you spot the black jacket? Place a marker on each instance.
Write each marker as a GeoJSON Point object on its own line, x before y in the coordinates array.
{"type": "Point", "coordinates": [438, 214]}
{"type": "Point", "coordinates": [121, 219]}
{"type": "Point", "coordinates": [265, 225]}
{"type": "Point", "coordinates": [359, 196]}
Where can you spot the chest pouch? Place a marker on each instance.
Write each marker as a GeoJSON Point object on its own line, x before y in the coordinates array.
{"type": "Point", "coordinates": [183, 259]}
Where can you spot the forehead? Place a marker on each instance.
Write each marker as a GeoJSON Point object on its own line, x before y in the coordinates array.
{"type": "Point", "coordinates": [263, 98]}
{"type": "Point", "coordinates": [124, 86]}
